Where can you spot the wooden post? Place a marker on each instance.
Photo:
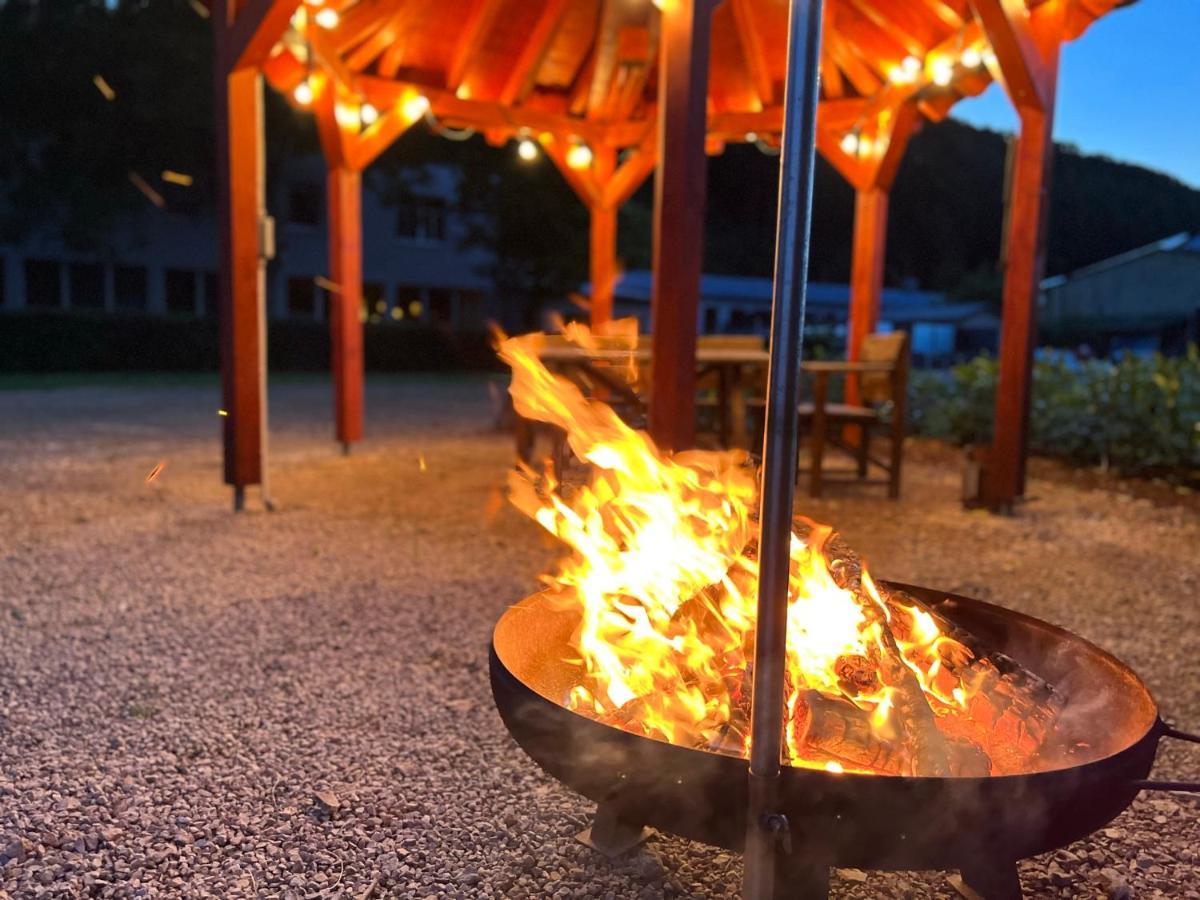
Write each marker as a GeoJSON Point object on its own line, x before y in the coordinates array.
{"type": "Point", "coordinates": [679, 190]}
{"type": "Point", "coordinates": [603, 245]}
{"type": "Point", "coordinates": [1004, 471]}
{"type": "Point", "coordinates": [241, 206]}
{"type": "Point", "coordinates": [1027, 51]}
{"type": "Point", "coordinates": [345, 320]}
{"type": "Point", "coordinates": [866, 273]}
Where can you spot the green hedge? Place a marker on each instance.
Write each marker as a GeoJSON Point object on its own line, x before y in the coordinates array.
{"type": "Point", "coordinates": [82, 342]}
{"type": "Point", "coordinates": [1138, 415]}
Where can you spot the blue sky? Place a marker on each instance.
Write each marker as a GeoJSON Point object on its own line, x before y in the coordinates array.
{"type": "Point", "coordinates": [1129, 88]}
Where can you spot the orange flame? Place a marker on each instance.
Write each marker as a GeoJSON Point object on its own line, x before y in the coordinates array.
{"type": "Point", "coordinates": [663, 571]}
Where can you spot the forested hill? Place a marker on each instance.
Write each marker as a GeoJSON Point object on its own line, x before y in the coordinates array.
{"type": "Point", "coordinates": [946, 211]}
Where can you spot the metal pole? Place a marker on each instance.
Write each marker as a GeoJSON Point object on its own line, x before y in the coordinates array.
{"type": "Point", "coordinates": [767, 829]}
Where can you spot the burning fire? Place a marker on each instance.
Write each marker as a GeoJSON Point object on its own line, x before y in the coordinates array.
{"type": "Point", "coordinates": [663, 572]}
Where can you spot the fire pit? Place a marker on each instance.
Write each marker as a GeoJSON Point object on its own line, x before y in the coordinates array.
{"type": "Point", "coordinates": [979, 825]}
{"type": "Point", "coordinates": [920, 729]}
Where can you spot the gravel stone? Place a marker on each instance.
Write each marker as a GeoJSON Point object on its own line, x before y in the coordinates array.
{"type": "Point", "coordinates": [181, 685]}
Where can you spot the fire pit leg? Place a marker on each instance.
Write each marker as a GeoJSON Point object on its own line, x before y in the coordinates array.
{"type": "Point", "coordinates": [993, 880]}
{"type": "Point", "coordinates": [610, 834]}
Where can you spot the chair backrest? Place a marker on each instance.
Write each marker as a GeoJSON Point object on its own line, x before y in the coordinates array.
{"type": "Point", "coordinates": [731, 341]}
{"type": "Point", "coordinates": [879, 387]}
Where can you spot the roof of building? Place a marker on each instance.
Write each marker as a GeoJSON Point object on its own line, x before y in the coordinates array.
{"type": "Point", "coordinates": [1183, 242]}
{"type": "Point", "coordinates": [899, 304]}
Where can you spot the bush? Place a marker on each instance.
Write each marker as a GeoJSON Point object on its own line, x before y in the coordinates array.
{"type": "Point", "coordinates": [82, 342]}
{"type": "Point", "coordinates": [1139, 415]}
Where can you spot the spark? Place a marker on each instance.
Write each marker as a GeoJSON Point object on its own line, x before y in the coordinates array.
{"type": "Point", "coordinates": [421, 462]}
{"type": "Point", "coordinates": [104, 88]}
{"type": "Point", "coordinates": [222, 412]}
{"type": "Point", "coordinates": [172, 177]}
{"type": "Point", "coordinates": [156, 471]}
{"type": "Point", "coordinates": [200, 9]}
{"type": "Point", "coordinates": [150, 193]}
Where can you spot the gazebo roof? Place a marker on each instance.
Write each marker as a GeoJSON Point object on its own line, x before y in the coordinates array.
{"type": "Point", "coordinates": [586, 70]}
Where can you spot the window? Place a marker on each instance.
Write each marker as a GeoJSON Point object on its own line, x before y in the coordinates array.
{"type": "Point", "coordinates": [422, 219]}
{"type": "Point", "coordinates": [441, 306]}
{"type": "Point", "coordinates": [304, 204]}
{"type": "Point", "coordinates": [211, 298]}
{"type": "Point", "coordinates": [87, 285]}
{"type": "Point", "coordinates": [181, 292]}
{"type": "Point", "coordinates": [408, 305]}
{"type": "Point", "coordinates": [129, 287]}
{"type": "Point", "coordinates": [471, 313]}
{"type": "Point", "coordinates": [301, 298]}
{"type": "Point", "coordinates": [43, 289]}
{"type": "Point", "coordinates": [373, 303]}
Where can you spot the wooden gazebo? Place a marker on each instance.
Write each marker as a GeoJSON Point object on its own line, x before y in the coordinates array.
{"type": "Point", "coordinates": [611, 91]}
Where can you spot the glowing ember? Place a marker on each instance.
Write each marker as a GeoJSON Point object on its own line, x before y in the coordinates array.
{"type": "Point", "coordinates": [663, 573]}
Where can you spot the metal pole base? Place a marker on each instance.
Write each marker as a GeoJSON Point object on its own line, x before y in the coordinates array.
{"type": "Point", "coordinates": [990, 880]}
{"type": "Point", "coordinates": [239, 498]}
{"type": "Point", "coordinates": [611, 835]}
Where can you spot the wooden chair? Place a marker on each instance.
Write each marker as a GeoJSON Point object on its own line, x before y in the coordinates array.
{"type": "Point", "coordinates": [712, 389]}
{"type": "Point", "coordinates": [882, 376]}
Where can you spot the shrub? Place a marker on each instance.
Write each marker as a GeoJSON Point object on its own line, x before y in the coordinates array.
{"type": "Point", "coordinates": [1139, 415]}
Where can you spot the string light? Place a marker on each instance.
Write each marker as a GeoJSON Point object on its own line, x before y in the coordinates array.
{"type": "Point", "coordinates": [849, 143]}
{"type": "Point", "coordinates": [303, 93]}
{"type": "Point", "coordinates": [347, 116]}
{"type": "Point", "coordinates": [414, 106]}
{"type": "Point", "coordinates": [911, 65]}
{"type": "Point", "coordinates": [579, 156]}
{"type": "Point", "coordinates": [971, 57]}
{"type": "Point", "coordinates": [989, 57]}
{"type": "Point", "coordinates": [527, 149]}
{"type": "Point", "coordinates": [327, 18]}
{"type": "Point", "coordinates": [368, 114]}
{"type": "Point", "coordinates": [942, 71]}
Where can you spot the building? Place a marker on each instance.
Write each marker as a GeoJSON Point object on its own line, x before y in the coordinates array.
{"type": "Point", "coordinates": [1144, 300]}
{"type": "Point", "coordinates": [164, 263]}
{"type": "Point", "coordinates": [941, 330]}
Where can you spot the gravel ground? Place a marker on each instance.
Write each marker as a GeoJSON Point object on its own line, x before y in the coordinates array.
{"type": "Point", "coordinates": [296, 704]}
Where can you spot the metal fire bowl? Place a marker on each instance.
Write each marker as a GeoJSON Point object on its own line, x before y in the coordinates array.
{"type": "Point", "coordinates": [865, 821]}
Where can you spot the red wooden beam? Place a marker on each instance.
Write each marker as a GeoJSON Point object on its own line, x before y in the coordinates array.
{"type": "Point", "coordinates": [1019, 60]}
{"type": "Point", "coordinates": [345, 269]}
{"type": "Point", "coordinates": [866, 272]}
{"type": "Point", "coordinates": [253, 31]}
{"type": "Point", "coordinates": [1029, 201]}
{"type": "Point", "coordinates": [679, 189]}
{"type": "Point", "coordinates": [524, 69]}
{"type": "Point", "coordinates": [603, 243]}
{"type": "Point", "coordinates": [241, 210]}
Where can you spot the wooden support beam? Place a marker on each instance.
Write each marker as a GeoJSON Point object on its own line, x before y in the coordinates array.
{"type": "Point", "coordinates": [252, 33]}
{"type": "Point", "coordinates": [679, 193]}
{"type": "Point", "coordinates": [534, 50]}
{"type": "Point", "coordinates": [1024, 263]}
{"type": "Point", "coordinates": [602, 256]}
{"type": "Point", "coordinates": [1022, 69]}
{"type": "Point", "coordinates": [753, 51]}
{"type": "Point", "coordinates": [866, 273]}
{"type": "Point", "coordinates": [241, 204]}
{"type": "Point", "coordinates": [479, 23]}
{"type": "Point", "coordinates": [345, 303]}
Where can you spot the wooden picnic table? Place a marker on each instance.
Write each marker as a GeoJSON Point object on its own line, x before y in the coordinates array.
{"type": "Point", "coordinates": [733, 366]}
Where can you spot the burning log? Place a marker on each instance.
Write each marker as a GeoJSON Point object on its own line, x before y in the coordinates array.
{"type": "Point", "coordinates": [843, 733]}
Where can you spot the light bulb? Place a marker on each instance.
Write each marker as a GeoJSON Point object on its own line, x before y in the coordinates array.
{"type": "Point", "coordinates": [911, 65]}
{"type": "Point", "coordinates": [527, 149]}
{"type": "Point", "coordinates": [579, 156]}
{"type": "Point", "coordinates": [849, 143]}
{"type": "Point", "coordinates": [971, 57]}
{"type": "Point", "coordinates": [942, 71]}
{"type": "Point", "coordinates": [415, 106]}
{"type": "Point", "coordinates": [347, 116]}
{"type": "Point", "coordinates": [303, 93]}
{"type": "Point", "coordinates": [327, 18]}
{"type": "Point", "coordinates": [368, 114]}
